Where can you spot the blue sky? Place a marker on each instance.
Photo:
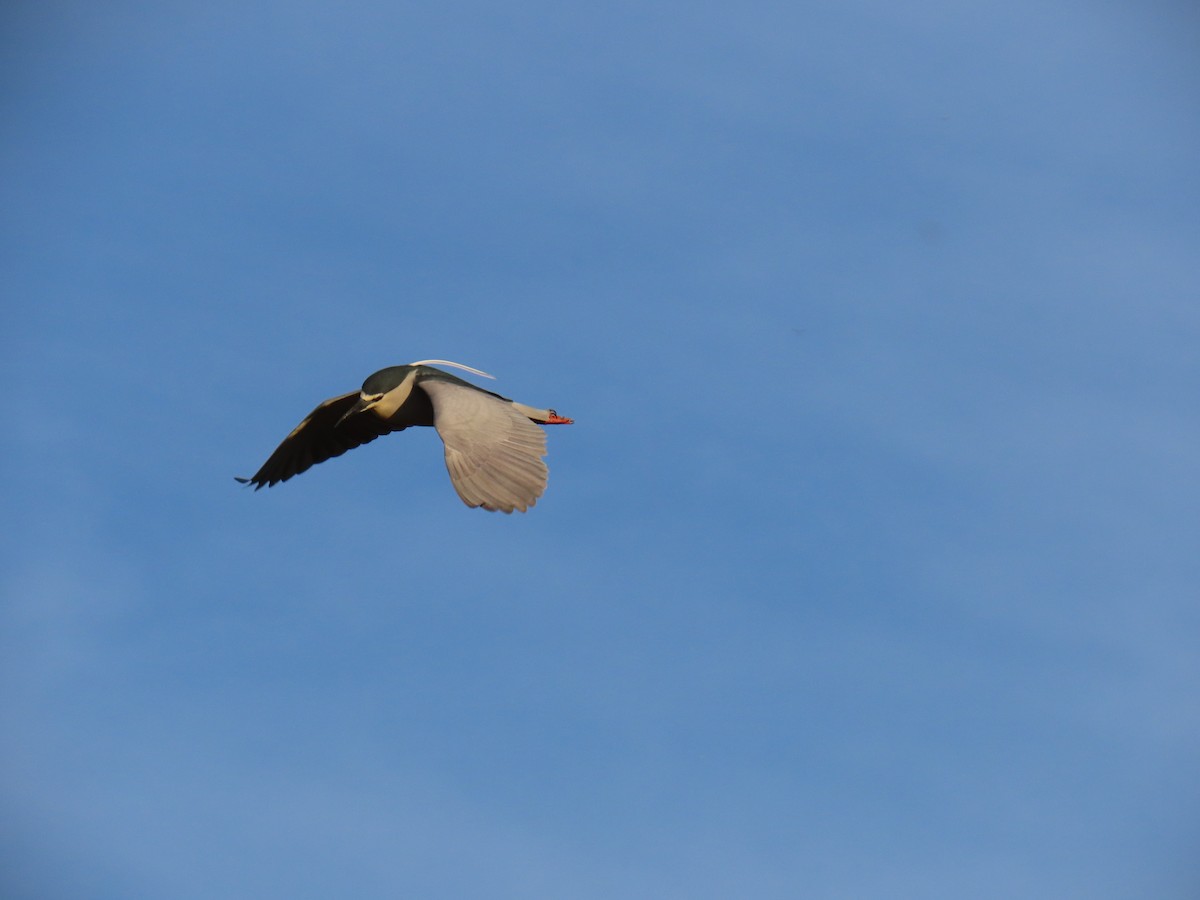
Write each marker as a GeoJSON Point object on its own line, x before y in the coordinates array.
{"type": "Point", "coordinates": [869, 569]}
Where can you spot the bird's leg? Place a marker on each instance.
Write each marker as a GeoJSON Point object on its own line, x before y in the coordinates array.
{"type": "Point", "coordinates": [541, 416]}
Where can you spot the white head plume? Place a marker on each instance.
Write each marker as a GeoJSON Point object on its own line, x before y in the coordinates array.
{"type": "Point", "coordinates": [446, 362]}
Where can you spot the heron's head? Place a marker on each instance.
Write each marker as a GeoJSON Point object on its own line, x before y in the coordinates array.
{"type": "Point", "coordinates": [385, 380]}
{"type": "Point", "coordinates": [376, 388]}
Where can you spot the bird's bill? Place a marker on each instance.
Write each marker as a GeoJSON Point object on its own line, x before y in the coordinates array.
{"type": "Point", "coordinates": [359, 405]}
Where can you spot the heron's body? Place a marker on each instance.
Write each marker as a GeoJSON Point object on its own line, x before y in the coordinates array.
{"type": "Point", "coordinates": [494, 449]}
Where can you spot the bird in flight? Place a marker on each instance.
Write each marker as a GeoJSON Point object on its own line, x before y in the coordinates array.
{"type": "Point", "coordinates": [494, 449]}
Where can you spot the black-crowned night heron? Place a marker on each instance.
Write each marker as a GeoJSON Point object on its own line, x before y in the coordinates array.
{"type": "Point", "coordinates": [493, 448]}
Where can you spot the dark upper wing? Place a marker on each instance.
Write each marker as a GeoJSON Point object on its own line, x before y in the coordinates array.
{"type": "Point", "coordinates": [318, 438]}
